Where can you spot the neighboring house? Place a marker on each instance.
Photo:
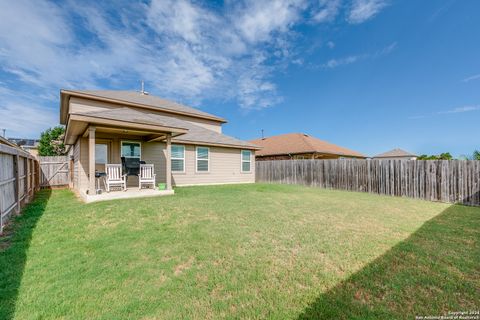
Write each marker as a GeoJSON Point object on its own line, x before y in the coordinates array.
{"type": "Point", "coordinates": [396, 154]}
{"type": "Point", "coordinates": [186, 145]}
{"type": "Point", "coordinates": [30, 145]}
{"type": "Point", "coordinates": [300, 146]}
{"type": "Point", "coordinates": [7, 142]}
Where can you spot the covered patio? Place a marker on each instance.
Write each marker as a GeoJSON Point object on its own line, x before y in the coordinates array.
{"type": "Point", "coordinates": [117, 136]}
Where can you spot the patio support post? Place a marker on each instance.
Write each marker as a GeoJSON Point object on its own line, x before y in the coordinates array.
{"type": "Point", "coordinates": [168, 167]}
{"type": "Point", "coordinates": [91, 160]}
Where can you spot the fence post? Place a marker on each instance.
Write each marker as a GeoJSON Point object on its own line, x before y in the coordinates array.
{"type": "Point", "coordinates": [16, 160]}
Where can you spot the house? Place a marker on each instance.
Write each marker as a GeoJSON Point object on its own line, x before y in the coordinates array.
{"type": "Point", "coordinates": [300, 146]}
{"type": "Point", "coordinates": [7, 142]}
{"type": "Point", "coordinates": [186, 145]}
{"type": "Point", "coordinates": [396, 154]}
{"type": "Point", "coordinates": [29, 145]}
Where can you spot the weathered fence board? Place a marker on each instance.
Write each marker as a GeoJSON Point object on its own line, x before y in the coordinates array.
{"type": "Point", "coordinates": [18, 183]}
{"type": "Point", "coordinates": [455, 181]}
{"type": "Point", "coordinates": [54, 171]}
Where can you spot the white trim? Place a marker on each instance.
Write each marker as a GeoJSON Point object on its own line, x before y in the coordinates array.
{"type": "Point", "coordinates": [242, 161]}
{"type": "Point", "coordinates": [172, 158]}
{"type": "Point", "coordinates": [130, 141]}
{"type": "Point", "coordinates": [211, 184]}
{"type": "Point", "coordinates": [196, 159]}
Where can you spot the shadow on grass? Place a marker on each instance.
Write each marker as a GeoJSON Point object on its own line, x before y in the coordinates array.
{"type": "Point", "coordinates": [434, 271]}
{"type": "Point", "coordinates": [14, 254]}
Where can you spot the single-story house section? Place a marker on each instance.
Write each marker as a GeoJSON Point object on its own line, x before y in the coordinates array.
{"type": "Point", "coordinates": [300, 146]}
{"type": "Point", "coordinates": [396, 154]}
{"type": "Point", "coordinates": [186, 145]}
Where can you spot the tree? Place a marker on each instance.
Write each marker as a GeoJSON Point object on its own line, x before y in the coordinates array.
{"type": "Point", "coordinates": [51, 142]}
{"type": "Point", "coordinates": [445, 156]}
{"type": "Point", "coordinates": [476, 155]}
{"type": "Point", "coordinates": [441, 156]}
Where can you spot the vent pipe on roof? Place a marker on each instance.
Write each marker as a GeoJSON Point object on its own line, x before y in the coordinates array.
{"type": "Point", "coordinates": [263, 137]}
{"type": "Point", "coordinates": [143, 88]}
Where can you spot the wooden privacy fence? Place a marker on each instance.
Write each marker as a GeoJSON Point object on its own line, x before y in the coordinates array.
{"type": "Point", "coordinates": [455, 181]}
{"type": "Point", "coordinates": [19, 179]}
{"type": "Point", "coordinates": [54, 171]}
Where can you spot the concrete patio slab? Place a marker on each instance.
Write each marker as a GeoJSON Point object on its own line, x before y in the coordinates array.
{"type": "Point", "coordinates": [130, 193]}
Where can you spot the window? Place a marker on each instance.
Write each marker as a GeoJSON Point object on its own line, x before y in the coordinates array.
{"type": "Point", "coordinates": [101, 153]}
{"type": "Point", "coordinates": [178, 158]}
{"type": "Point", "coordinates": [203, 155]}
{"type": "Point", "coordinates": [131, 149]}
{"type": "Point", "coordinates": [246, 160]}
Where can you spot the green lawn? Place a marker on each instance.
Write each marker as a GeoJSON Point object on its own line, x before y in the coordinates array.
{"type": "Point", "coordinates": [240, 251]}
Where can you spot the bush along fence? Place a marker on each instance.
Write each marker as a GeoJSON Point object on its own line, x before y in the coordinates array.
{"type": "Point", "coordinates": [454, 181]}
{"type": "Point", "coordinates": [19, 179]}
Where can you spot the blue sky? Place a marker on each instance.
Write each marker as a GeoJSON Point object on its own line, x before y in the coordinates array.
{"type": "Point", "coordinates": [370, 75]}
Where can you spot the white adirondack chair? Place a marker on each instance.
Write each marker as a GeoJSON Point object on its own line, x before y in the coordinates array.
{"type": "Point", "coordinates": [114, 177]}
{"type": "Point", "coordinates": [146, 175]}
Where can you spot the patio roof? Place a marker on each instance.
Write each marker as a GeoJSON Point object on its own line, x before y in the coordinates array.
{"type": "Point", "coordinates": [124, 120]}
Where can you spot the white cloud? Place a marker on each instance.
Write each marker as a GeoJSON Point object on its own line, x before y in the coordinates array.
{"type": "Point", "coordinates": [327, 11]}
{"type": "Point", "coordinates": [456, 110]}
{"type": "Point", "coordinates": [471, 78]}
{"type": "Point", "coordinates": [183, 49]}
{"type": "Point", "coordinates": [258, 20]}
{"type": "Point", "coordinates": [363, 10]}
{"type": "Point", "coordinates": [333, 63]}
{"type": "Point", "coordinates": [24, 114]}
{"type": "Point", "coordinates": [461, 109]}
{"type": "Point", "coordinates": [337, 62]}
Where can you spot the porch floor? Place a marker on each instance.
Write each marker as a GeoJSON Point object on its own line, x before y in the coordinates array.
{"type": "Point", "coordinates": [130, 193]}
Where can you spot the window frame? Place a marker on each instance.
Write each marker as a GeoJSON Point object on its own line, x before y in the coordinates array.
{"type": "Point", "coordinates": [107, 158]}
{"type": "Point", "coordinates": [130, 141]}
{"type": "Point", "coordinates": [242, 161]}
{"type": "Point", "coordinates": [196, 159]}
{"type": "Point", "coordinates": [172, 158]}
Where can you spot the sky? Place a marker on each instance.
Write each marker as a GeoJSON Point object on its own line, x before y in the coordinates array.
{"type": "Point", "coordinates": [369, 75]}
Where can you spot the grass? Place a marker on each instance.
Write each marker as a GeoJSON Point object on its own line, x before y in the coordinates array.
{"type": "Point", "coordinates": [243, 251]}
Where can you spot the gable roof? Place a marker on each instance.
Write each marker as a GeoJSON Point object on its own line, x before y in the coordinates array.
{"type": "Point", "coordinates": [395, 153]}
{"type": "Point", "coordinates": [192, 133]}
{"type": "Point", "coordinates": [296, 143]}
{"type": "Point", "coordinates": [133, 98]}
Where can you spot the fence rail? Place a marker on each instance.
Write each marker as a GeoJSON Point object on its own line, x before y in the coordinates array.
{"type": "Point", "coordinates": [19, 179]}
{"type": "Point", "coordinates": [454, 181]}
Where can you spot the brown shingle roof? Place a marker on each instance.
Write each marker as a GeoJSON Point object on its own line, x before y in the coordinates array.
{"type": "Point", "coordinates": [295, 143]}
{"type": "Point", "coordinates": [395, 153]}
